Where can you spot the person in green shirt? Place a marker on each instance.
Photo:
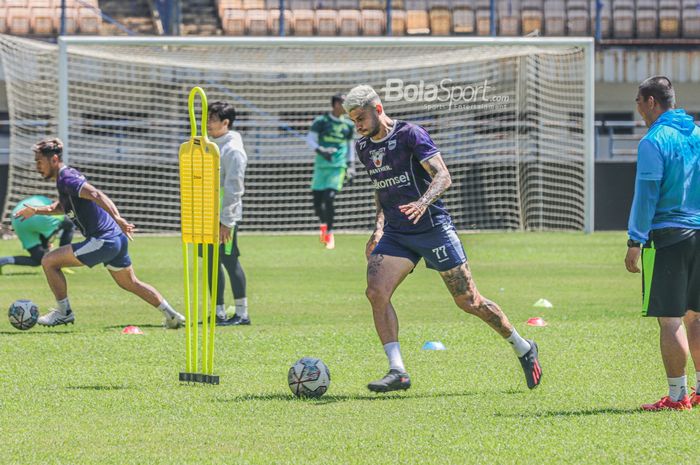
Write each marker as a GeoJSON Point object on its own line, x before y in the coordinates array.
{"type": "Point", "coordinates": [331, 137]}
{"type": "Point", "coordinates": [36, 233]}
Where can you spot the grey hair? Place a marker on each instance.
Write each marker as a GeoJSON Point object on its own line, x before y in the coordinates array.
{"type": "Point", "coordinates": [360, 96]}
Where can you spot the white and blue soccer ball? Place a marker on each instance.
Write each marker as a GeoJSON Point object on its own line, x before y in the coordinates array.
{"type": "Point", "coordinates": [23, 314]}
{"type": "Point", "coordinates": [309, 377]}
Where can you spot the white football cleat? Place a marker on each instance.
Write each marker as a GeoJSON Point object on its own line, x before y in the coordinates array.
{"type": "Point", "coordinates": [56, 317]}
{"type": "Point", "coordinates": [173, 321]}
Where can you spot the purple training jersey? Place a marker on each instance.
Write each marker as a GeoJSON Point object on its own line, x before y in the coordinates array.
{"type": "Point", "coordinates": [394, 166]}
{"type": "Point", "coordinates": [89, 217]}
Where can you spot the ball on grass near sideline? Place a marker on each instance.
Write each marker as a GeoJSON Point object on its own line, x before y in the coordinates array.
{"type": "Point", "coordinates": [309, 377]}
{"type": "Point", "coordinates": [23, 314]}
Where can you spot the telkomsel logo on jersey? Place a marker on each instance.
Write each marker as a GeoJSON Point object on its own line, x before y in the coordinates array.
{"type": "Point", "coordinates": [402, 180]}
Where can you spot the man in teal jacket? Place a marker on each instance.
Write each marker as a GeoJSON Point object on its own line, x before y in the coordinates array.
{"type": "Point", "coordinates": [663, 229]}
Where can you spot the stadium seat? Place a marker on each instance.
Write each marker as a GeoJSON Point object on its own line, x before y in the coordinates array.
{"type": "Point", "coordinates": [483, 22]}
{"type": "Point", "coordinates": [18, 22]}
{"type": "Point", "coordinates": [373, 22]}
{"type": "Point", "coordinates": [577, 5]}
{"type": "Point", "coordinates": [347, 4]}
{"type": "Point", "coordinates": [398, 22]}
{"type": "Point", "coordinates": [303, 22]}
{"type": "Point", "coordinates": [257, 22]}
{"type": "Point", "coordinates": [17, 3]}
{"type": "Point", "coordinates": [531, 16]}
{"type": "Point", "coordinates": [669, 18]}
{"type": "Point", "coordinates": [605, 18]}
{"type": "Point", "coordinates": [440, 21]}
{"type": "Point", "coordinates": [89, 21]}
{"type": "Point", "coordinates": [42, 20]}
{"type": "Point", "coordinates": [647, 21]}
{"type": "Point", "coordinates": [300, 4]}
{"type": "Point", "coordinates": [508, 14]}
{"type": "Point", "coordinates": [275, 22]}
{"type": "Point", "coordinates": [223, 5]}
{"type": "Point", "coordinates": [233, 22]}
{"type": "Point", "coordinates": [417, 22]}
{"type": "Point", "coordinates": [463, 20]}
{"type": "Point", "coordinates": [623, 19]}
{"type": "Point", "coordinates": [71, 20]}
{"type": "Point", "coordinates": [253, 4]}
{"type": "Point", "coordinates": [349, 22]}
{"type": "Point", "coordinates": [554, 18]}
{"type": "Point", "coordinates": [327, 22]}
{"type": "Point", "coordinates": [37, 3]}
{"type": "Point", "coordinates": [691, 23]}
{"type": "Point", "coordinates": [577, 22]}
{"type": "Point", "coordinates": [447, 4]}
{"type": "Point", "coordinates": [374, 4]}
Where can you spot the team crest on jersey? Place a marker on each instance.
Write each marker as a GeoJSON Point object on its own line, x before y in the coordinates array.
{"type": "Point", "coordinates": [377, 156]}
{"type": "Point", "coordinates": [392, 144]}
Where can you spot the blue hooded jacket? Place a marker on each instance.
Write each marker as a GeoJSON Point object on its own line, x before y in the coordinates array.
{"type": "Point", "coordinates": [667, 186]}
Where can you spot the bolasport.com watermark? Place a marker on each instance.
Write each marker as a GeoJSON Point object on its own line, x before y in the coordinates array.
{"type": "Point", "coordinates": [446, 95]}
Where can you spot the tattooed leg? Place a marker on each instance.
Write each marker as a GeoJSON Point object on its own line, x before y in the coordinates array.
{"type": "Point", "coordinates": [461, 285]}
{"type": "Point", "coordinates": [384, 274]}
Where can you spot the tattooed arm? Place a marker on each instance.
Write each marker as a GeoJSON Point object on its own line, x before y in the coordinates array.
{"type": "Point", "coordinates": [435, 166]}
{"type": "Point", "coordinates": [378, 228]}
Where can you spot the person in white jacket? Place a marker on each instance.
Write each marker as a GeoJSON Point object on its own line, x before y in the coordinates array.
{"type": "Point", "coordinates": [233, 164]}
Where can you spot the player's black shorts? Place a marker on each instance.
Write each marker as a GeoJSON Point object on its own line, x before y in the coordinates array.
{"type": "Point", "coordinates": [671, 279]}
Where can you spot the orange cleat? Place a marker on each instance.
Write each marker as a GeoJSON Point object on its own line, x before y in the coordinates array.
{"type": "Point", "coordinates": [330, 241]}
{"type": "Point", "coordinates": [667, 404]}
{"type": "Point", "coordinates": [694, 398]}
{"type": "Point", "coordinates": [323, 229]}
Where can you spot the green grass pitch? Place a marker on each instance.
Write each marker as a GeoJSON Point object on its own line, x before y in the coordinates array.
{"type": "Point", "coordinates": [88, 394]}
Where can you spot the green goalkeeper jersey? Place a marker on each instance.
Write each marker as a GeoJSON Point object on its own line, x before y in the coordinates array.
{"type": "Point", "coordinates": [31, 231]}
{"type": "Point", "coordinates": [333, 132]}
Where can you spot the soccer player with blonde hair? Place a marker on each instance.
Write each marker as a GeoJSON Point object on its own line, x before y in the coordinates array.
{"type": "Point", "coordinates": [409, 176]}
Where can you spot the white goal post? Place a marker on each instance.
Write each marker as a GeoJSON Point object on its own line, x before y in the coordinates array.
{"type": "Point", "coordinates": [513, 118]}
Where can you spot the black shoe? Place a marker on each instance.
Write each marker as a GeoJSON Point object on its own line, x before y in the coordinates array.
{"type": "Point", "coordinates": [235, 320]}
{"type": "Point", "coordinates": [393, 381]}
{"type": "Point", "coordinates": [531, 366]}
{"type": "Point", "coordinates": [223, 321]}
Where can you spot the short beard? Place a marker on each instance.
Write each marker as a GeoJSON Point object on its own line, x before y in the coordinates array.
{"type": "Point", "coordinates": [374, 132]}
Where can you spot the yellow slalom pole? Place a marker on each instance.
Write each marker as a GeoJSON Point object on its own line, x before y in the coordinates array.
{"type": "Point", "coordinates": [205, 309]}
{"type": "Point", "coordinates": [188, 308]}
{"type": "Point", "coordinates": [212, 313]}
{"type": "Point", "coordinates": [200, 210]}
{"type": "Point", "coordinates": [195, 317]}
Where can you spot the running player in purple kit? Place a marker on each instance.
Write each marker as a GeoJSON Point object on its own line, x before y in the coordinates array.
{"type": "Point", "coordinates": [106, 234]}
{"type": "Point", "coordinates": [409, 176]}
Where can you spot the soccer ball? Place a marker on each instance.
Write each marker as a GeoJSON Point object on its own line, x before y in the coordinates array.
{"type": "Point", "coordinates": [309, 377]}
{"type": "Point", "coordinates": [23, 314]}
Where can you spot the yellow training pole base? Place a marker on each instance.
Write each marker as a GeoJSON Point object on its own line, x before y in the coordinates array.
{"type": "Point", "coordinates": [199, 378]}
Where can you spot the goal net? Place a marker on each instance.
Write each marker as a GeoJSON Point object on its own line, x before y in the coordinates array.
{"type": "Point", "coordinates": [512, 119]}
